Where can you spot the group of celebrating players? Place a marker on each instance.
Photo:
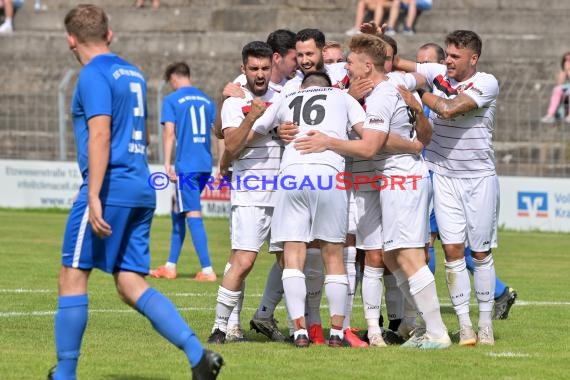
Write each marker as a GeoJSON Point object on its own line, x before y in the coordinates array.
{"type": "Point", "coordinates": [290, 114]}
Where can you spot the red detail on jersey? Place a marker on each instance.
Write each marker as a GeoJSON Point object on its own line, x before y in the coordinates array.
{"type": "Point", "coordinates": [444, 86]}
{"type": "Point", "coordinates": [344, 83]}
{"type": "Point", "coordinates": [247, 109]}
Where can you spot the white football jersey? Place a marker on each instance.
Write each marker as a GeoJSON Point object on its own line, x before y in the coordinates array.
{"type": "Point", "coordinates": [462, 147]}
{"type": "Point", "coordinates": [325, 109]}
{"type": "Point", "coordinates": [259, 159]}
{"type": "Point", "coordinates": [386, 111]}
{"type": "Point", "coordinates": [361, 166]}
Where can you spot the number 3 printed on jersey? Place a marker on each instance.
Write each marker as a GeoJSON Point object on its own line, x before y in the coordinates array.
{"type": "Point", "coordinates": [312, 112]}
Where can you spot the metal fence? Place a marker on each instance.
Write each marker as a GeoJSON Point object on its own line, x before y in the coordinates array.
{"type": "Point", "coordinates": [38, 126]}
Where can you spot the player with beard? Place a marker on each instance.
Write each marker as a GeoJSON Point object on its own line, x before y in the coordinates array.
{"type": "Point", "coordinates": [258, 159]}
{"type": "Point", "coordinates": [465, 182]}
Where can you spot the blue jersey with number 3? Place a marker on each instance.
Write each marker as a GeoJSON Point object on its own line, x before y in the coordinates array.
{"type": "Point", "coordinates": [109, 85]}
{"type": "Point", "coordinates": [193, 114]}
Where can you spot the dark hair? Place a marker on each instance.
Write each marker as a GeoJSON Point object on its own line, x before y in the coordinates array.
{"type": "Point", "coordinates": [465, 39]}
{"type": "Point", "coordinates": [316, 78]}
{"type": "Point", "coordinates": [177, 68]}
{"type": "Point", "coordinates": [88, 23]}
{"type": "Point", "coordinates": [281, 41]}
{"type": "Point", "coordinates": [438, 50]}
{"type": "Point", "coordinates": [567, 54]}
{"type": "Point", "coordinates": [257, 49]}
{"type": "Point", "coordinates": [311, 34]}
{"type": "Point", "coordinates": [390, 41]}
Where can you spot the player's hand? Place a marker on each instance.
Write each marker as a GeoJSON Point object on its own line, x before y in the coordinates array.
{"type": "Point", "coordinates": [233, 90]}
{"type": "Point", "coordinates": [372, 28]}
{"type": "Point", "coordinates": [410, 99]}
{"type": "Point", "coordinates": [360, 87]}
{"type": "Point", "coordinates": [98, 225]}
{"type": "Point", "coordinates": [287, 131]}
{"type": "Point", "coordinates": [314, 142]}
{"type": "Point", "coordinates": [171, 173]}
{"type": "Point", "coordinates": [258, 107]}
{"type": "Point", "coordinates": [418, 147]}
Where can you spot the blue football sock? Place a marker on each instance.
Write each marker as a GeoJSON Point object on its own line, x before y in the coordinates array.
{"type": "Point", "coordinates": [177, 236]}
{"type": "Point", "coordinates": [431, 262]}
{"type": "Point", "coordinates": [500, 287]}
{"type": "Point", "coordinates": [200, 240]}
{"type": "Point", "coordinates": [70, 323]}
{"type": "Point", "coordinates": [165, 319]}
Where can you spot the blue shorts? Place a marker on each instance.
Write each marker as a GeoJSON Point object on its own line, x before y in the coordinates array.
{"type": "Point", "coordinates": [421, 5]}
{"type": "Point", "coordinates": [188, 192]}
{"type": "Point", "coordinates": [127, 249]}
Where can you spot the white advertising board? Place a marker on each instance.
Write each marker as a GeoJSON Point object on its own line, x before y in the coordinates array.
{"type": "Point", "coordinates": [48, 184]}
{"type": "Point", "coordinates": [533, 203]}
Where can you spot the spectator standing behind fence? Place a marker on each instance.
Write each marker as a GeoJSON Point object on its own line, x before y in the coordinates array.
{"type": "Point", "coordinates": [9, 7]}
{"type": "Point", "coordinates": [559, 92]}
{"type": "Point", "coordinates": [412, 7]}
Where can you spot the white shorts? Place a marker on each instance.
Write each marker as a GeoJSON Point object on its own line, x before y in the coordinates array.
{"type": "Point", "coordinates": [249, 227]}
{"type": "Point", "coordinates": [352, 213]}
{"type": "Point", "coordinates": [467, 210]}
{"type": "Point", "coordinates": [405, 217]}
{"type": "Point", "coordinates": [369, 222]}
{"type": "Point", "coordinates": [304, 214]}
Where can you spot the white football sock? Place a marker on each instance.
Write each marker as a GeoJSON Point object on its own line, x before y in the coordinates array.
{"type": "Point", "coordinates": [350, 264]}
{"type": "Point", "coordinates": [484, 280]}
{"type": "Point", "coordinates": [226, 301]}
{"type": "Point", "coordinates": [459, 287]}
{"type": "Point", "coordinates": [295, 292]}
{"type": "Point", "coordinates": [422, 289]}
{"type": "Point", "coordinates": [371, 297]}
{"type": "Point", "coordinates": [336, 287]}
{"type": "Point", "coordinates": [410, 310]}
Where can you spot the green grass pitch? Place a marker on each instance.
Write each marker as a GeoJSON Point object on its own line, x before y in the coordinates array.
{"type": "Point", "coordinates": [534, 343]}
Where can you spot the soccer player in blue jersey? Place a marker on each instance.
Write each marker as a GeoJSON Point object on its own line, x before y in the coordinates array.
{"type": "Point", "coordinates": [109, 224]}
{"type": "Point", "coordinates": [188, 115]}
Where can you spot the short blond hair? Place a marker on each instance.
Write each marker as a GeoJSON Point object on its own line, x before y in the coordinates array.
{"type": "Point", "coordinates": [372, 46]}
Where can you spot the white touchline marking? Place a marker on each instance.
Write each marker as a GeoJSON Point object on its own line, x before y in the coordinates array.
{"type": "Point", "coordinates": [508, 354]}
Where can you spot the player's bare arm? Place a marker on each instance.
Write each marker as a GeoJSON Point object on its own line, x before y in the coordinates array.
{"type": "Point", "coordinates": [449, 108]}
{"type": "Point", "coordinates": [371, 143]}
{"type": "Point", "coordinates": [99, 146]}
{"type": "Point", "coordinates": [218, 123]}
{"type": "Point", "coordinates": [168, 141]}
{"type": "Point", "coordinates": [236, 138]}
{"type": "Point", "coordinates": [397, 145]}
{"type": "Point", "coordinates": [404, 64]}
{"type": "Point", "coordinates": [423, 127]}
